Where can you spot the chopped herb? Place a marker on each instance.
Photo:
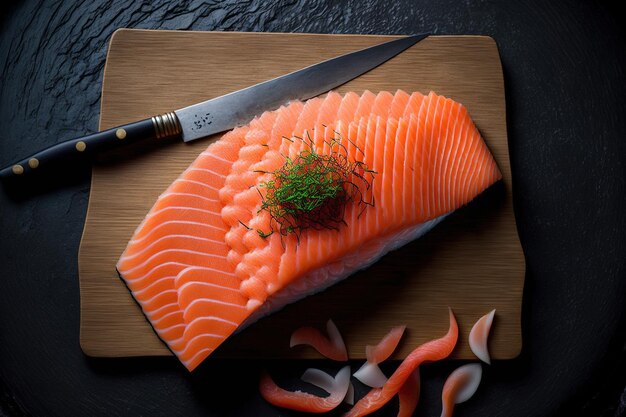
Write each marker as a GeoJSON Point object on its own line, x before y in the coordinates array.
{"type": "Point", "coordinates": [312, 190]}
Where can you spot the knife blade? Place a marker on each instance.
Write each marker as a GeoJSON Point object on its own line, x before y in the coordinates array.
{"type": "Point", "coordinates": [221, 113]}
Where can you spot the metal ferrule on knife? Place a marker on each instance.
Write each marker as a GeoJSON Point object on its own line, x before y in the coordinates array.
{"type": "Point", "coordinates": [166, 125]}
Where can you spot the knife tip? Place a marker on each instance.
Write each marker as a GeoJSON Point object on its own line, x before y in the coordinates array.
{"type": "Point", "coordinates": [418, 36]}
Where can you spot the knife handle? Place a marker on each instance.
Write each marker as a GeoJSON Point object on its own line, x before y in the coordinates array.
{"type": "Point", "coordinates": [157, 127]}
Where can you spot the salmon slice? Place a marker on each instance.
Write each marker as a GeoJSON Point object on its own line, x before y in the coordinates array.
{"type": "Point", "coordinates": [349, 104]}
{"type": "Point", "coordinates": [383, 350]}
{"type": "Point", "coordinates": [204, 264]}
{"type": "Point", "coordinates": [434, 350]}
{"type": "Point", "coordinates": [331, 346]}
{"type": "Point", "coordinates": [479, 335]}
{"type": "Point", "coordinates": [303, 401]}
{"type": "Point", "coordinates": [409, 395]}
{"type": "Point", "coordinates": [370, 374]}
{"type": "Point", "coordinates": [460, 386]}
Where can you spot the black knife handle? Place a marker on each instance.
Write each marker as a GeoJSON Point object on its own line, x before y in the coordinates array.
{"type": "Point", "coordinates": [157, 127]}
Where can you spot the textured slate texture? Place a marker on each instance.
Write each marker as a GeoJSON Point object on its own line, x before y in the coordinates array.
{"type": "Point", "coordinates": [564, 65]}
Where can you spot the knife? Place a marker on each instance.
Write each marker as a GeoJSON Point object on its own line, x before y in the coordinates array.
{"type": "Point", "coordinates": [221, 113]}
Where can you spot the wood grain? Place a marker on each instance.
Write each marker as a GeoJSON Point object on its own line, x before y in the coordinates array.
{"type": "Point", "coordinates": [472, 261]}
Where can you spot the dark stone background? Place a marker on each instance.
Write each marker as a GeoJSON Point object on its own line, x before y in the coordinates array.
{"type": "Point", "coordinates": [565, 67]}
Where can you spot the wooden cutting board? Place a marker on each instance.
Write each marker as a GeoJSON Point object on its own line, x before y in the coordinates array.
{"type": "Point", "coordinates": [472, 261]}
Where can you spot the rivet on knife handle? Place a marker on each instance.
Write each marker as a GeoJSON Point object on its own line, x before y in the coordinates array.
{"type": "Point", "coordinates": [157, 127]}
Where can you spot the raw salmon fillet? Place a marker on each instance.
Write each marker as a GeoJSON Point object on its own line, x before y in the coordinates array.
{"type": "Point", "coordinates": [200, 270]}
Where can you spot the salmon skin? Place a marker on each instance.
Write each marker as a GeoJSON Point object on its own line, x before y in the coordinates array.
{"type": "Point", "coordinates": [198, 266]}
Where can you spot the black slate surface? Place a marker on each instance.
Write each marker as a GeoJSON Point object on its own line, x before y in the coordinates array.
{"type": "Point", "coordinates": [565, 68]}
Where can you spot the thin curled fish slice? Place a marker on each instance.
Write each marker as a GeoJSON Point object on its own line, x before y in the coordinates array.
{"type": "Point", "coordinates": [331, 346]}
{"type": "Point", "coordinates": [200, 270]}
{"type": "Point", "coordinates": [479, 336]}
{"type": "Point", "coordinates": [303, 401]}
{"type": "Point", "coordinates": [349, 395]}
{"type": "Point", "coordinates": [434, 350]}
{"type": "Point", "coordinates": [383, 350]}
{"type": "Point", "coordinates": [369, 373]}
{"type": "Point", "coordinates": [409, 395]}
{"type": "Point", "coordinates": [460, 386]}
{"type": "Point", "coordinates": [319, 378]}
{"type": "Point", "coordinates": [326, 382]}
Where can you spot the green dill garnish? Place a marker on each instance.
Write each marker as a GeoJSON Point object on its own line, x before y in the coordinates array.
{"type": "Point", "coordinates": [263, 234]}
{"type": "Point", "coordinates": [312, 190]}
